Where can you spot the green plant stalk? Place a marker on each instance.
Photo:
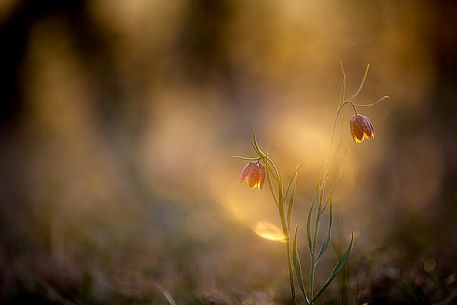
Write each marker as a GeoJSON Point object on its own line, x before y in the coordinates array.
{"type": "Point", "coordinates": [320, 209]}
{"type": "Point", "coordinates": [272, 170]}
{"type": "Point", "coordinates": [287, 239]}
{"type": "Point", "coordinates": [313, 255]}
{"type": "Point", "coordinates": [289, 257]}
{"type": "Point", "coordinates": [321, 190]}
{"type": "Point", "coordinates": [325, 173]}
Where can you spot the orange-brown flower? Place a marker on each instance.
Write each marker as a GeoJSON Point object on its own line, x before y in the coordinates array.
{"type": "Point", "coordinates": [254, 174]}
{"type": "Point", "coordinates": [361, 128]}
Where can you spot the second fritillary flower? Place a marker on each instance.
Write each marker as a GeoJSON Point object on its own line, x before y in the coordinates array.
{"type": "Point", "coordinates": [361, 128]}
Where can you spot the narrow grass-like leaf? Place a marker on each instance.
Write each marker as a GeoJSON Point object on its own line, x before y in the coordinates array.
{"type": "Point", "coordinates": [256, 149]}
{"type": "Point", "coordinates": [317, 219]}
{"type": "Point", "coordinates": [262, 155]}
{"type": "Point", "coordinates": [341, 263]}
{"type": "Point", "coordinates": [280, 195]}
{"type": "Point", "coordinates": [291, 182]}
{"type": "Point", "coordinates": [337, 181]}
{"type": "Point", "coordinates": [297, 266]}
{"type": "Point", "coordinates": [247, 158]}
{"type": "Point", "coordinates": [269, 162]}
{"type": "Point", "coordinates": [290, 205]}
{"type": "Point", "coordinates": [270, 186]}
{"type": "Point", "coordinates": [361, 84]}
{"type": "Point", "coordinates": [329, 234]}
{"type": "Point", "coordinates": [308, 227]}
{"type": "Point", "coordinates": [308, 219]}
{"type": "Point", "coordinates": [290, 195]}
{"type": "Point", "coordinates": [255, 144]}
{"type": "Point", "coordinates": [268, 165]}
{"type": "Point", "coordinates": [338, 147]}
{"type": "Point", "coordinates": [343, 86]}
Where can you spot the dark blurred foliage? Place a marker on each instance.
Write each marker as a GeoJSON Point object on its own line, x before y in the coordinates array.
{"type": "Point", "coordinates": [118, 120]}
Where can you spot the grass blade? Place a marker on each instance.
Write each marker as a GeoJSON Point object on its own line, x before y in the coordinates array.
{"type": "Point", "coordinates": [308, 227]}
{"type": "Point", "coordinates": [290, 194]}
{"type": "Point", "coordinates": [329, 233]}
{"type": "Point", "coordinates": [246, 158]}
{"type": "Point", "coordinates": [308, 219]}
{"type": "Point", "coordinates": [297, 266]}
{"type": "Point", "coordinates": [268, 161]}
{"type": "Point", "coordinates": [341, 263]}
{"type": "Point", "coordinates": [337, 181]}
{"type": "Point", "coordinates": [343, 86]}
{"type": "Point", "coordinates": [270, 186]}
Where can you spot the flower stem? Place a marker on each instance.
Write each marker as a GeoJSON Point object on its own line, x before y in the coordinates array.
{"type": "Point", "coordinates": [289, 258]}
{"type": "Point", "coordinates": [291, 273]}
{"type": "Point", "coordinates": [280, 202]}
{"type": "Point", "coordinates": [286, 236]}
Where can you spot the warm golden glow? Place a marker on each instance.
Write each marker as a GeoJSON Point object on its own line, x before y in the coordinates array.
{"type": "Point", "coordinates": [269, 231]}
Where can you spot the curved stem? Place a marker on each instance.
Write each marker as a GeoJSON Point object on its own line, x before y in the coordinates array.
{"type": "Point", "coordinates": [325, 174]}
{"type": "Point", "coordinates": [268, 161]}
{"type": "Point", "coordinates": [361, 85]}
{"type": "Point", "coordinates": [270, 186]}
{"type": "Point", "coordinates": [386, 97]}
{"type": "Point", "coordinates": [247, 158]}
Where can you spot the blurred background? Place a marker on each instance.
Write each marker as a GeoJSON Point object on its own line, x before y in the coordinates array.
{"type": "Point", "coordinates": [119, 120]}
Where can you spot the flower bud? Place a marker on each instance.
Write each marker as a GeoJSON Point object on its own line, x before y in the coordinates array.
{"type": "Point", "coordinates": [361, 128]}
{"type": "Point", "coordinates": [254, 174]}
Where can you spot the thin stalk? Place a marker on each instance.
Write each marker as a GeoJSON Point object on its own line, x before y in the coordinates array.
{"type": "Point", "coordinates": [361, 85]}
{"type": "Point", "coordinates": [285, 230]}
{"type": "Point", "coordinates": [289, 263]}
{"type": "Point", "coordinates": [247, 158]}
{"type": "Point", "coordinates": [311, 278]}
{"type": "Point", "coordinates": [270, 186]}
{"type": "Point", "coordinates": [325, 173]}
{"type": "Point", "coordinates": [324, 181]}
{"type": "Point", "coordinates": [314, 243]}
{"type": "Point", "coordinates": [386, 97]}
{"type": "Point", "coordinates": [286, 236]}
{"type": "Point", "coordinates": [291, 274]}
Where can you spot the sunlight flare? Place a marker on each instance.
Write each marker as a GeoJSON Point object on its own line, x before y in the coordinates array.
{"type": "Point", "coordinates": [269, 231]}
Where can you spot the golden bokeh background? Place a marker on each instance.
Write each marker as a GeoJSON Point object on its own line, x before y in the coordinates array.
{"type": "Point", "coordinates": [119, 120]}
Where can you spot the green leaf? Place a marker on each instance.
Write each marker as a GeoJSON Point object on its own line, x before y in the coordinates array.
{"type": "Point", "coordinates": [297, 266]}
{"type": "Point", "coordinates": [343, 86]}
{"type": "Point", "coordinates": [270, 186]}
{"type": "Point", "coordinates": [290, 194]}
{"type": "Point", "coordinates": [280, 195]}
{"type": "Point", "coordinates": [341, 263]}
{"type": "Point", "coordinates": [268, 161]}
{"type": "Point", "coordinates": [329, 233]}
{"type": "Point", "coordinates": [290, 184]}
{"type": "Point", "coordinates": [337, 181]}
{"type": "Point", "coordinates": [247, 158]}
{"type": "Point", "coordinates": [308, 219]}
{"type": "Point", "coordinates": [308, 227]}
{"type": "Point", "coordinates": [290, 204]}
{"type": "Point", "coordinates": [256, 146]}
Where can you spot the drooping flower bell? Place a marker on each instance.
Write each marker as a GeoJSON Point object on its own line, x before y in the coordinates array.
{"type": "Point", "coordinates": [361, 128]}
{"type": "Point", "coordinates": [254, 174]}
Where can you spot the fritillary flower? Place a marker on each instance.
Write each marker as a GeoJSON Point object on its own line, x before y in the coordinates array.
{"type": "Point", "coordinates": [361, 128]}
{"type": "Point", "coordinates": [254, 174]}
